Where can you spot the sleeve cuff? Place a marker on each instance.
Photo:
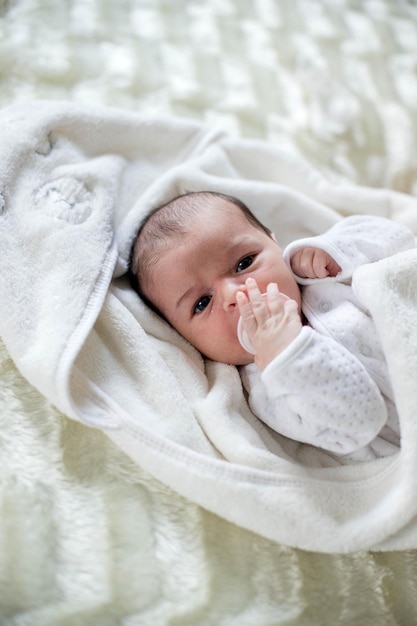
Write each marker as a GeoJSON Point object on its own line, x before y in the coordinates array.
{"type": "Point", "coordinates": [341, 259]}
{"type": "Point", "coordinates": [291, 352]}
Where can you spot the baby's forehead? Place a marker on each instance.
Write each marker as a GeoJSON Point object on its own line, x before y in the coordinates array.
{"type": "Point", "coordinates": [178, 225]}
{"type": "Point", "coordinates": [219, 209]}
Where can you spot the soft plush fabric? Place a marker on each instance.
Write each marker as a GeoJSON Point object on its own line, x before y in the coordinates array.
{"type": "Point", "coordinates": [88, 536]}
{"type": "Point", "coordinates": [76, 183]}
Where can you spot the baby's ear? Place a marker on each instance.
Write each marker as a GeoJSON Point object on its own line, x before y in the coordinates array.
{"type": "Point", "coordinates": [273, 237]}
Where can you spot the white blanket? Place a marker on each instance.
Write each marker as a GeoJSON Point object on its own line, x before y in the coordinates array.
{"type": "Point", "coordinates": [75, 182]}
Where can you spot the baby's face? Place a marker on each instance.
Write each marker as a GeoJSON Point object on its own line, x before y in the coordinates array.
{"type": "Point", "coordinates": [195, 281]}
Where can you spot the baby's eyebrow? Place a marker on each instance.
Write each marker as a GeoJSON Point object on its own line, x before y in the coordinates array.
{"type": "Point", "coordinates": [242, 240]}
{"type": "Point", "coordinates": [184, 297]}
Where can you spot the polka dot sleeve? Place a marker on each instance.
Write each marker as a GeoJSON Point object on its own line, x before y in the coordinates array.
{"type": "Point", "coordinates": [318, 393]}
{"type": "Point", "coordinates": [356, 240]}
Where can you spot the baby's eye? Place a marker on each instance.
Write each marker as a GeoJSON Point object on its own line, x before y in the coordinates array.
{"type": "Point", "coordinates": [201, 304]}
{"type": "Point", "coordinates": [244, 263]}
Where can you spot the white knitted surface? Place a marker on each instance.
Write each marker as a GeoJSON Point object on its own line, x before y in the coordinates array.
{"type": "Point", "coordinates": [86, 537]}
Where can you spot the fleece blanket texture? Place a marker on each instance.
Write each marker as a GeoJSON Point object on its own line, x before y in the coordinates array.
{"type": "Point", "coordinates": [88, 536]}
{"type": "Point", "coordinates": [76, 183]}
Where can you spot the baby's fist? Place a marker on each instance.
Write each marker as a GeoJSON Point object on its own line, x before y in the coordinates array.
{"type": "Point", "coordinates": [312, 262]}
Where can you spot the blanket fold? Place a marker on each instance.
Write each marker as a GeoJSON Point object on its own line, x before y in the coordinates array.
{"type": "Point", "coordinates": [75, 183]}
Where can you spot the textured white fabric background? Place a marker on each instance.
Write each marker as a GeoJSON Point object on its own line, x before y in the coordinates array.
{"type": "Point", "coordinates": [86, 537]}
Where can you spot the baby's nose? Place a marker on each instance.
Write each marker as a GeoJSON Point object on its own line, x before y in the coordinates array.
{"type": "Point", "coordinates": [229, 291]}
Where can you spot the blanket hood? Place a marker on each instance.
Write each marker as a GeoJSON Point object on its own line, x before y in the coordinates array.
{"type": "Point", "coordinates": [67, 176]}
{"type": "Point", "coordinates": [75, 182]}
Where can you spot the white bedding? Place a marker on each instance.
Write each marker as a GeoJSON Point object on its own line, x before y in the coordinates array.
{"type": "Point", "coordinates": [107, 543]}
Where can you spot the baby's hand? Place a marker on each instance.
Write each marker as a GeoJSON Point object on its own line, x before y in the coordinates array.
{"type": "Point", "coordinates": [271, 323]}
{"type": "Point", "coordinates": [313, 263]}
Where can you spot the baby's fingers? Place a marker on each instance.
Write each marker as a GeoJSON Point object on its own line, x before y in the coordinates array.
{"type": "Point", "coordinates": [291, 308]}
{"type": "Point", "coordinates": [246, 311]}
{"type": "Point", "coordinates": [259, 307]}
{"type": "Point", "coordinates": [275, 299]}
{"type": "Point", "coordinates": [244, 306]}
{"type": "Point", "coordinates": [301, 262]}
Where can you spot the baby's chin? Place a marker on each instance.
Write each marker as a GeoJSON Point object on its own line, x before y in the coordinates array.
{"type": "Point", "coordinates": [248, 358]}
{"type": "Point", "coordinates": [239, 360]}
{"type": "Point", "coordinates": [234, 355]}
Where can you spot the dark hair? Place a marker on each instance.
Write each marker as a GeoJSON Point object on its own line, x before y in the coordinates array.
{"type": "Point", "coordinates": [169, 220]}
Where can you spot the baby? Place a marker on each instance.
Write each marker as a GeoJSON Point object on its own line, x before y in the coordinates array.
{"type": "Point", "coordinates": [312, 363]}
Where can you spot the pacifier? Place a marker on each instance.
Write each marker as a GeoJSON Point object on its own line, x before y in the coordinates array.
{"type": "Point", "coordinates": [242, 335]}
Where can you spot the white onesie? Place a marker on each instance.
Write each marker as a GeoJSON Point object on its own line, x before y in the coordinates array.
{"type": "Point", "coordinates": [330, 387]}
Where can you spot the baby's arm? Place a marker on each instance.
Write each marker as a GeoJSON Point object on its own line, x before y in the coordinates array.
{"type": "Point", "coordinates": [317, 392]}
{"type": "Point", "coordinates": [352, 242]}
{"type": "Point", "coordinates": [270, 322]}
